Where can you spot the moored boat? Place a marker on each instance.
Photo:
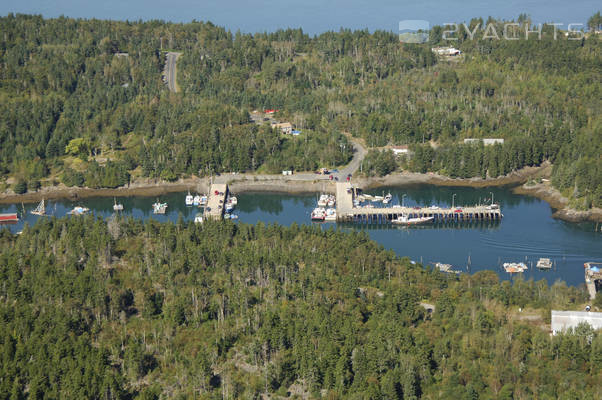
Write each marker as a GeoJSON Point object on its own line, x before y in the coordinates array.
{"type": "Point", "coordinates": [9, 217]}
{"type": "Point", "coordinates": [318, 214]}
{"type": "Point", "coordinates": [40, 209]}
{"type": "Point", "coordinates": [79, 210]}
{"type": "Point", "coordinates": [387, 199]}
{"type": "Point", "coordinates": [515, 267]}
{"type": "Point", "coordinates": [159, 208]}
{"type": "Point", "coordinates": [117, 206]}
{"type": "Point", "coordinates": [189, 199]}
{"type": "Point", "coordinates": [198, 219]}
{"type": "Point", "coordinates": [331, 215]}
{"type": "Point", "coordinates": [323, 200]}
{"type": "Point", "coordinates": [544, 263]}
{"type": "Point", "coordinates": [196, 200]}
{"type": "Point", "coordinates": [405, 220]}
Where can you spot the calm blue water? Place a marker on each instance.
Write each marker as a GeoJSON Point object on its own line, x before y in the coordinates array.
{"type": "Point", "coordinates": [526, 233]}
{"type": "Point", "coordinates": [314, 16]}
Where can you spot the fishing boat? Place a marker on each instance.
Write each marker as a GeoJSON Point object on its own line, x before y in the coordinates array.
{"type": "Point", "coordinates": [388, 198]}
{"type": "Point", "coordinates": [159, 208]}
{"type": "Point", "coordinates": [515, 267]}
{"type": "Point", "coordinates": [405, 220]}
{"type": "Point", "coordinates": [544, 263]}
{"type": "Point", "coordinates": [117, 206]}
{"type": "Point", "coordinates": [9, 218]}
{"type": "Point", "coordinates": [196, 200]}
{"type": "Point", "coordinates": [318, 214]}
{"type": "Point", "coordinates": [331, 215]}
{"type": "Point", "coordinates": [323, 200]}
{"type": "Point", "coordinates": [79, 210]}
{"type": "Point", "coordinates": [40, 209]}
{"type": "Point", "coordinates": [198, 219]}
{"type": "Point", "coordinates": [189, 199]}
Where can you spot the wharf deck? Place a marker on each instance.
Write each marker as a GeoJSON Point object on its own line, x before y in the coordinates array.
{"type": "Point", "coordinates": [592, 279]}
{"type": "Point", "coordinates": [216, 202]}
{"type": "Point", "coordinates": [347, 212]}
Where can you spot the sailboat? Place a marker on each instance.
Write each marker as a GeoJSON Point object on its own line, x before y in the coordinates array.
{"type": "Point", "coordinates": [40, 209]}
{"type": "Point", "coordinates": [117, 206]}
{"type": "Point", "coordinates": [159, 208]}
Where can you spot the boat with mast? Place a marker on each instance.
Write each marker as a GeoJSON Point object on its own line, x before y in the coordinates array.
{"type": "Point", "coordinates": [117, 206]}
{"type": "Point", "coordinates": [40, 210]}
{"type": "Point", "coordinates": [159, 208]}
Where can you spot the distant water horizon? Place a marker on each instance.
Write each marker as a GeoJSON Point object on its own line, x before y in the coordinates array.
{"type": "Point", "coordinates": [313, 16]}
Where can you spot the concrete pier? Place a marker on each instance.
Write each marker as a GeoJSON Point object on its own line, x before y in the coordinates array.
{"type": "Point", "coordinates": [593, 279]}
{"type": "Point", "coordinates": [347, 212]}
{"type": "Point", "coordinates": [216, 201]}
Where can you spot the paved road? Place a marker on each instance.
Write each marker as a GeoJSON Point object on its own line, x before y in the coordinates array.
{"type": "Point", "coordinates": [359, 152]}
{"type": "Point", "coordinates": [169, 74]}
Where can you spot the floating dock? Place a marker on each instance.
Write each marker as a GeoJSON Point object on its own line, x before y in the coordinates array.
{"type": "Point", "coordinates": [347, 212]}
{"type": "Point", "coordinates": [216, 201]}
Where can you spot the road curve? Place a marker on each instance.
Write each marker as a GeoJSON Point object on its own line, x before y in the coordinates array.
{"type": "Point", "coordinates": [359, 152]}
{"type": "Point", "coordinates": [169, 73]}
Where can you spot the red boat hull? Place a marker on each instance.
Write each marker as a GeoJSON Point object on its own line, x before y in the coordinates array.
{"type": "Point", "coordinates": [9, 217]}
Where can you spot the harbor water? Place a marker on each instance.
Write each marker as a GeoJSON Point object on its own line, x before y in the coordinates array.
{"type": "Point", "coordinates": [526, 233]}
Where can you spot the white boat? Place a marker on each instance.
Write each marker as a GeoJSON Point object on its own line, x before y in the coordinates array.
{"type": "Point", "coordinates": [544, 263]}
{"type": "Point", "coordinates": [196, 200]}
{"type": "Point", "coordinates": [331, 201]}
{"type": "Point", "coordinates": [78, 210]}
{"type": "Point", "coordinates": [388, 198]}
{"type": "Point", "coordinates": [229, 207]}
{"type": "Point", "coordinates": [203, 200]}
{"type": "Point", "coordinates": [233, 200]}
{"type": "Point", "coordinates": [189, 199]}
{"type": "Point", "coordinates": [515, 267]}
{"type": "Point", "coordinates": [227, 216]}
{"type": "Point", "coordinates": [159, 208]}
{"type": "Point", "coordinates": [375, 199]}
{"type": "Point", "coordinates": [405, 220]}
{"type": "Point", "coordinates": [331, 215]}
{"type": "Point", "coordinates": [198, 219]}
{"type": "Point", "coordinates": [233, 216]}
{"type": "Point", "coordinates": [40, 209]}
{"type": "Point", "coordinates": [323, 200]}
{"type": "Point", "coordinates": [318, 214]}
{"type": "Point", "coordinates": [117, 206]}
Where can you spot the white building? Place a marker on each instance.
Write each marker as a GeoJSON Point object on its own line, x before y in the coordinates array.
{"type": "Point", "coordinates": [400, 150]}
{"type": "Point", "coordinates": [486, 142]}
{"type": "Point", "coordinates": [563, 320]}
{"type": "Point", "coordinates": [446, 51]}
